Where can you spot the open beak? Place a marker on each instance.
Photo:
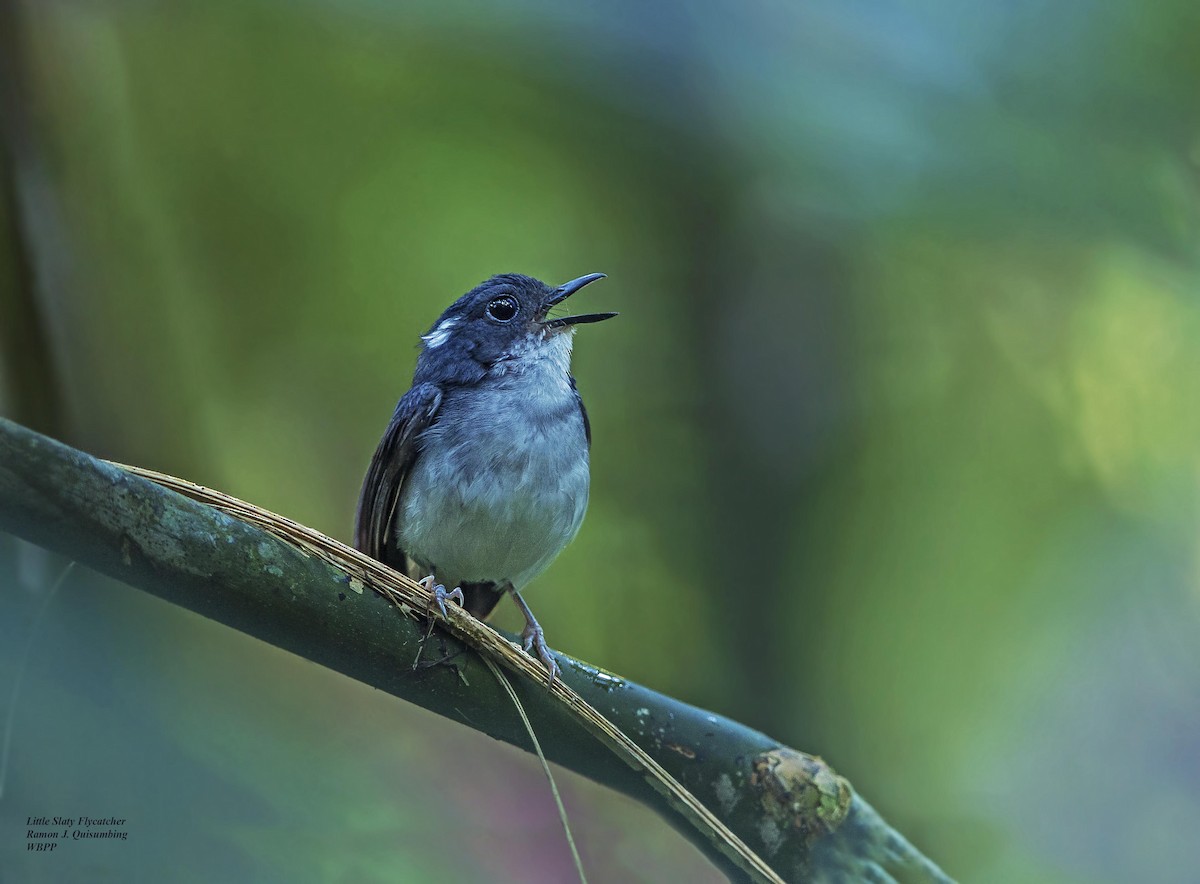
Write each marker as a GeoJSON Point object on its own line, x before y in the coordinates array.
{"type": "Point", "coordinates": [565, 291]}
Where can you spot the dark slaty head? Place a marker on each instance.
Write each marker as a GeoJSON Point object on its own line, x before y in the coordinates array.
{"type": "Point", "coordinates": [496, 320]}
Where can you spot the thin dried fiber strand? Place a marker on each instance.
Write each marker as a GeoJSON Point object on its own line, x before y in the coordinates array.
{"type": "Point", "coordinates": [562, 810]}
{"type": "Point", "coordinates": [411, 597]}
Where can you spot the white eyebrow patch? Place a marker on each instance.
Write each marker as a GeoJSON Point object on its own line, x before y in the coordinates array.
{"type": "Point", "coordinates": [441, 334]}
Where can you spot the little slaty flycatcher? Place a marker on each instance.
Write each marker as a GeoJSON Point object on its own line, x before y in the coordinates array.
{"type": "Point", "coordinates": [481, 477]}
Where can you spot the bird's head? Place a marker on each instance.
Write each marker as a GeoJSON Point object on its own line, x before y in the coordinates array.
{"type": "Point", "coordinates": [498, 324]}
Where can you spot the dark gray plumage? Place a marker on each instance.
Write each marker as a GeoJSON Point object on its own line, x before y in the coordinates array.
{"type": "Point", "coordinates": [481, 477]}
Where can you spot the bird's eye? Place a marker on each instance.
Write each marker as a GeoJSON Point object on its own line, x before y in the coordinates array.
{"type": "Point", "coordinates": [502, 309]}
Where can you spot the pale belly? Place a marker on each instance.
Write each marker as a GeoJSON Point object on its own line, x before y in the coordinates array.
{"type": "Point", "coordinates": [495, 499]}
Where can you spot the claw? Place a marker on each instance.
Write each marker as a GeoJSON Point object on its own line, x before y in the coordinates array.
{"type": "Point", "coordinates": [440, 596]}
{"type": "Point", "coordinates": [533, 638]}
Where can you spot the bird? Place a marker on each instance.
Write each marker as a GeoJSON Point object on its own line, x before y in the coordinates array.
{"type": "Point", "coordinates": [482, 475]}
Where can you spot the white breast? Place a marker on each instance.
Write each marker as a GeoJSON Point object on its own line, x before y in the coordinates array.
{"type": "Point", "coordinates": [501, 483]}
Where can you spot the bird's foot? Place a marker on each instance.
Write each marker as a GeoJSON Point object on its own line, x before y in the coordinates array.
{"type": "Point", "coordinates": [440, 596]}
{"type": "Point", "coordinates": [533, 638]}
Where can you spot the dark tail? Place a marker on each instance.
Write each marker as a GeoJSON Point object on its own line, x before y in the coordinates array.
{"type": "Point", "coordinates": [481, 598]}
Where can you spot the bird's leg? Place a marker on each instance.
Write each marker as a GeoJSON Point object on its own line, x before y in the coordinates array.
{"type": "Point", "coordinates": [533, 637]}
{"type": "Point", "coordinates": [440, 596]}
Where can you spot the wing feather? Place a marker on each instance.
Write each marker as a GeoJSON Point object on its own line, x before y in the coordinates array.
{"type": "Point", "coordinates": [375, 521]}
{"type": "Point", "coordinates": [587, 424]}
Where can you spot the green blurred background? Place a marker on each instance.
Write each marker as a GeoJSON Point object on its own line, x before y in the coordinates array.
{"type": "Point", "coordinates": [896, 442]}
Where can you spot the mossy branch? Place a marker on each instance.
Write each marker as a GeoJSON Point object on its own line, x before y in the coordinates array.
{"type": "Point", "coordinates": [743, 798]}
